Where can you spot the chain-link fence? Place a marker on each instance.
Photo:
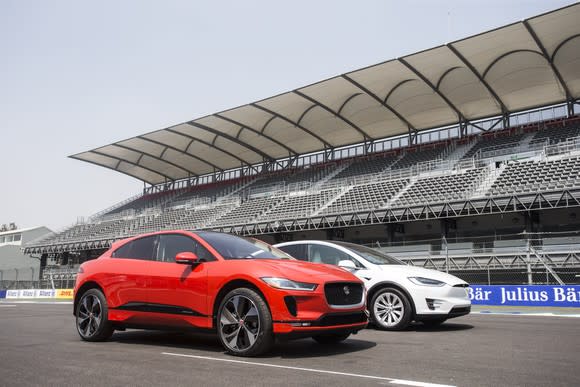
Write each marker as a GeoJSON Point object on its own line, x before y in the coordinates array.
{"type": "Point", "coordinates": [35, 278]}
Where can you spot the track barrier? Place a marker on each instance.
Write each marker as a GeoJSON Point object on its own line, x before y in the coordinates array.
{"type": "Point", "coordinates": [23, 294]}
{"type": "Point", "coordinates": [526, 295]}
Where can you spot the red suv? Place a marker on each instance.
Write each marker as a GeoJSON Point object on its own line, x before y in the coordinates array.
{"type": "Point", "coordinates": [246, 290]}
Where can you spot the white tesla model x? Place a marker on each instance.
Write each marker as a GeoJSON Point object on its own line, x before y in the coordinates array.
{"type": "Point", "coordinates": [397, 293]}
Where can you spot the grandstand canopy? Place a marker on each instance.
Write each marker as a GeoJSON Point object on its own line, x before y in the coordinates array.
{"type": "Point", "coordinates": [528, 64]}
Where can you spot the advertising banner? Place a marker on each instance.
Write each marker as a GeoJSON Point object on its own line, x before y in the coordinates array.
{"type": "Point", "coordinates": [2, 293]}
{"type": "Point", "coordinates": [12, 293]}
{"type": "Point", "coordinates": [64, 294]}
{"type": "Point", "coordinates": [44, 293]}
{"type": "Point", "coordinates": [27, 293]}
{"type": "Point", "coordinates": [525, 295]}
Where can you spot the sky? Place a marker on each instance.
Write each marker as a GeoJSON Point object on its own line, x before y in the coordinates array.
{"type": "Point", "coordinates": [76, 75]}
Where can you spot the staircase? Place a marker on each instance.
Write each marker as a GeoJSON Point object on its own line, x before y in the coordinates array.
{"type": "Point", "coordinates": [488, 181]}
{"type": "Point", "coordinates": [393, 199]}
{"type": "Point", "coordinates": [332, 200]}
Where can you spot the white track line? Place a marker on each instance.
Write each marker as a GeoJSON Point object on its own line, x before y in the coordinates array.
{"type": "Point", "coordinates": [6, 306]}
{"type": "Point", "coordinates": [525, 314]}
{"type": "Point", "coordinates": [390, 380]}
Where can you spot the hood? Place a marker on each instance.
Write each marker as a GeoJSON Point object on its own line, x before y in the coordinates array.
{"type": "Point", "coordinates": [303, 271]}
{"type": "Point", "coordinates": [413, 271]}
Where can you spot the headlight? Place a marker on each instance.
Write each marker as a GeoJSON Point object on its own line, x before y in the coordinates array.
{"type": "Point", "coordinates": [426, 281]}
{"type": "Point", "coordinates": [284, 283]}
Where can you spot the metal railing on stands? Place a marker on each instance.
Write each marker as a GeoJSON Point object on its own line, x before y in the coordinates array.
{"type": "Point", "coordinates": [514, 149]}
{"type": "Point", "coordinates": [568, 146]}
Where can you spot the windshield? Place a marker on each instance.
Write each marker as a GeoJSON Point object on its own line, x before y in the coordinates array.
{"type": "Point", "coordinates": [371, 255]}
{"type": "Point", "coordinates": [235, 247]}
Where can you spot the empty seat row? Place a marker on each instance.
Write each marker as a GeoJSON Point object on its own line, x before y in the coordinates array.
{"type": "Point", "coordinates": [537, 176]}
{"type": "Point", "coordinates": [365, 197]}
{"type": "Point", "coordinates": [440, 189]}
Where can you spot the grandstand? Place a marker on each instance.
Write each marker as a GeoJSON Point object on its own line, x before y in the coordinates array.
{"type": "Point", "coordinates": [477, 139]}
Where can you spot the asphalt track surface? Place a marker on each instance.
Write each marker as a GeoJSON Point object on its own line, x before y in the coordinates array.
{"type": "Point", "coordinates": [39, 346]}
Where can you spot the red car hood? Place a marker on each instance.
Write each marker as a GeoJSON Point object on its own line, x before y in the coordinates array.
{"type": "Point", "coordinates": [304, 271]}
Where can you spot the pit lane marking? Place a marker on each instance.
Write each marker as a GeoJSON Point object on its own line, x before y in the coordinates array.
{"type": "Point", "coordinates": [390, 380]}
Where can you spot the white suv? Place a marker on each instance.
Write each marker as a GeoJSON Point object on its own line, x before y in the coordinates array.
{"type": "Point", "coordinates": [397, 293]}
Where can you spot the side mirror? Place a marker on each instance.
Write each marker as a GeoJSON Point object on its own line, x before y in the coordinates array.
{"type": "Point", "coordinates": [187, 258]}
{"type": "Point", "coordinates": [347, 264]}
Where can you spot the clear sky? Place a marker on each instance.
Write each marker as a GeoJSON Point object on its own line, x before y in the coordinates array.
{"type": "Point", "coordinates": [75, 75]}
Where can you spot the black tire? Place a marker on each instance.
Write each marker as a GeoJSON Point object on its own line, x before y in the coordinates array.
{"type": "Point", "coordinates": [92, 314]}
{"type": "Point", "coordinates": [434, 323]}
{"type": "Point", "coordinates": [244, 323]}
{"type": "Point", "coordinates": [390, 310]}
{"type": "Point", "coordinates": [331, 338]}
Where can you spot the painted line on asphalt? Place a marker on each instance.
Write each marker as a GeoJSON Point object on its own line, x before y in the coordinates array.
{"type": "Point", "coordinates": [390, 380]}
{"type": "Point", "coordinates": [526, 314]}
{"type": "Point", "coordinates": [39, 302]}
{"type": "Point", "coordinates": [5, 305]}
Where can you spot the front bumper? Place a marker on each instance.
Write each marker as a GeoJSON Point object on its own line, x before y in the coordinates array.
{"type": "Point", "coordinates": [451, 301]}
{"type": "Point", "coordinates": [326, 324]}
{"type": "Point", "coordinates": [456, 311]}
{"type": "Point", "coordinates": [309, 314]}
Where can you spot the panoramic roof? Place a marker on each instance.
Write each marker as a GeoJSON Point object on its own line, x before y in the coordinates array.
{"type": "Point", "coordinates": [528, 64]}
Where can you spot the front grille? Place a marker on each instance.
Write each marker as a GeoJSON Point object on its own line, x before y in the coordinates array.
{"type": "Point", "coordinates": [343, 293]}
{"type": "Point", "coordinates": [341, 319]}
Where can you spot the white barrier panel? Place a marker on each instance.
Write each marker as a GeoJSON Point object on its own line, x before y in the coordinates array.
{"type": "Point", "coordinates": [31, 293]}
{"type": "Point", "coordinates": [44, 293]}
{"type": "Point", "coordinates": [12, 293]}
{"type": "Point", "coordinates": [26, 293]}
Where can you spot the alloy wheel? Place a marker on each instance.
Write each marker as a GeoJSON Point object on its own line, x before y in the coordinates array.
{"type": "Point", "coordinates": [239, 323]}
{"type": "Point", "coordinates": [90, 315]}
{"type": "Point", "coordinates": [389, 309]}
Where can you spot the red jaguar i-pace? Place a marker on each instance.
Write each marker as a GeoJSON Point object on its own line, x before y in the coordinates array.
{"type": "Point", "coordinates": [246, 290]}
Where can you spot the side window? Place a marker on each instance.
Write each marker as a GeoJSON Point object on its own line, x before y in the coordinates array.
{"type": "Point", "coordinates": [172, 244]}
{"type": "Point", "coordinates": [143, 248]}
{"type": "Point", "coordinates": [296, 251]}
{"type": "Point", "coordinates": [327, 254]}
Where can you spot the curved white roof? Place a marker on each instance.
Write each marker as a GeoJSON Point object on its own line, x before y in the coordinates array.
{"type": "Point", "coordinates": [521, 66]}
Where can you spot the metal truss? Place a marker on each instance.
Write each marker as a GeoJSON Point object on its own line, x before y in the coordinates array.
{"type": "Point", "coordinates": [448, 210]}
{"type": "Point", "coordinates": [493, 261]}
{"type": "Point", "coordinates": [454, 209]}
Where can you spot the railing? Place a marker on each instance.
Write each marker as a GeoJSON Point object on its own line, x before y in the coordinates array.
{"type": "Point", "coordinates": [568, 146]}
{"type": "Point", "coordinates": [512, 148]}
{"type": "Point", "coordinates": [115, 206]}
{"type": "Point", "coordinates": [530, 257]}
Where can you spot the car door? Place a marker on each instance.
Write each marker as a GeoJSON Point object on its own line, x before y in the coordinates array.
{"type": "Point", "coordinates": [127, 273]}
{"type": "Point", "coordinates": [180, 290]}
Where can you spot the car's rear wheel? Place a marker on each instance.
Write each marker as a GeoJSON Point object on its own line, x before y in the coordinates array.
{"type": "Point", "coordinates": [244, 323]}
{"type": "Point", "coordinates": [390, 310]}
{"type": "Point", "coordinates": [92, 317]}
{"type": "Point", "coordinates": [331, 338]}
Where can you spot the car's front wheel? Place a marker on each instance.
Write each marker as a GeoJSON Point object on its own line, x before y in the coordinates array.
{"type": "Point", "coordinates": [92, 317]}
{"type": "Point", "coordinates": [331, 338]}
{"type": "Point", "coordinates": [390, 310]}
{"type": "Point", "coordinates": [244, 323]}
